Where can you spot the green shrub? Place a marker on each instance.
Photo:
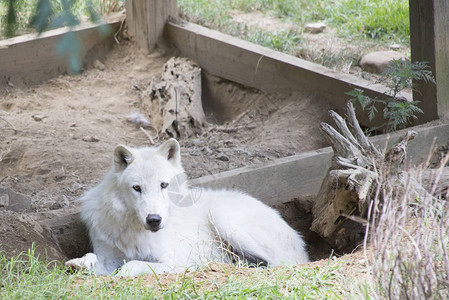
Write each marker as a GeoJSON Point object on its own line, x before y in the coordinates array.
{"type": "Point", "coordinates": [397, 111]}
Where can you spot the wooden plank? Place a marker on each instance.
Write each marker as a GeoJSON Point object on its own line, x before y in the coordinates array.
{"type": "Point", "coordinates": [442, 54]}
{"type": "Point", "coordinates": [265, 69]}
{"type": "Point", "coordinates": [135, 20]}
{"type": "Point", "coordinates": [300, 176]}
{"type": "Point", "coordinates": [146, 20]}
{"type": "Point", "coordinates": [32, 59]}
{"type": "Point", "coordinates": [429, 41]}
{"type": "Point", "coordinates": [280, 181]}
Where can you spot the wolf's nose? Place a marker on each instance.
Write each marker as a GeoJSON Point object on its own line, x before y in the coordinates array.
{"type": "Point", "coordinates": [154, 221]}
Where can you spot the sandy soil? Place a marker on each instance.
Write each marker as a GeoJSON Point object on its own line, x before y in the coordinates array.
{"type": "Point", "coordinates": [56, 139]}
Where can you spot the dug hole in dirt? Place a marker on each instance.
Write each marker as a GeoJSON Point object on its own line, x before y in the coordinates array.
{"type": "Point", "coordinates": [57, 139]}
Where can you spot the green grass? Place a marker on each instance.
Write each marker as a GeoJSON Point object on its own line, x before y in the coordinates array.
{"type": "Point", "coordinates": [379, 19]}
{"type": "Point", "coordinates": [283, 40]}
{"type": "Point", "coordinates": [28, 276]}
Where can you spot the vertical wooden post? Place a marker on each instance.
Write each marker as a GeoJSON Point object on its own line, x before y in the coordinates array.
{"type": "Point", "coordinates": [146, 20]}
{"type": "Point", "coordinates": [429, 41]}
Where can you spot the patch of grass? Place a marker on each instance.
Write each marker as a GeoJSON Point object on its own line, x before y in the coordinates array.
{"type": "Point", "coordinates": [217, 15]}
{"type": "Point", "coordinates": [282, 40]}
{"type": "Point", "coordinates": [373, 19]}
{"type": "Point", "coordinates": [28, 276]}
{"type": "Point", "coordinates": [341, 60]}
{"type": "Point", "coordinates": [214, 14]}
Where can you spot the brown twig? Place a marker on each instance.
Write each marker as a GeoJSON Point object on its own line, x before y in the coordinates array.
{"type": "Point", "coordinates": [149, 136]}
{"type": "Point", "coordinates": [118, 31]}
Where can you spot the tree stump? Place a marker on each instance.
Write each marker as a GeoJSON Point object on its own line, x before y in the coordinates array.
{"type": "Point", "coordinates": [341, 206]}
{"type": "Point", "coordinates": [174, 105]}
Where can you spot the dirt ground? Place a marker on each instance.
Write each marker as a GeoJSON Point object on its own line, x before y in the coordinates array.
{"type": "Point", "coordinates": [56, 139]}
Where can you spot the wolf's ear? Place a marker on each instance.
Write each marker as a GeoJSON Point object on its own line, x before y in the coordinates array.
{"type": "Point", "coordinates": [122, 157]}
{"type": "Point", "coordinates": [171, 151]}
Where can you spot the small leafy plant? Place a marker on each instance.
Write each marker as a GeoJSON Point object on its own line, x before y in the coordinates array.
{"type": "Point", "coordinates": [398, 111]}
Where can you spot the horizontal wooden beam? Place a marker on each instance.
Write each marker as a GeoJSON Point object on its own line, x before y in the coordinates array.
{"type": "Point", "coordinates": [265, 69]}
{"type": "Point", "coordinates": [32, 59]}
{"type": "Point", "coordinates": [300, 176]}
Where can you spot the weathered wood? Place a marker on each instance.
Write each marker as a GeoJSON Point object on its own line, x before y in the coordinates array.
{"type": "Point", "coordinates": [366, 145]}
{"type": "Point", "coordinates": [277, 182]}
{"type": "Point", "coordinates": [31, 59]}
{"type": "Point", "coordinates": [352, 180]}
{"type": "Point", "coordinates": [301, 175]}
{"type": "Point", "coordinates": [146, 20]}
{"type": "Point", "coordinates": [265, 69]}
{"type": "Point", "coordinates": [173, 101]}
{"type": "Point", "coordinates": [429, 41]}
{"type": "Point", "coordinates": [396, 155]}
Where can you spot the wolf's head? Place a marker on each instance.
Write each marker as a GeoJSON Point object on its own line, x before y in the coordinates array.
{"type": "Point", "coordinates": [143, 176]}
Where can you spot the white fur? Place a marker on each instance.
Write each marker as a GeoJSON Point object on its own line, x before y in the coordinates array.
{"type": "Point", "coordinates": [115, 214]}
{"type": "Point", "coordinates": [138, 119]}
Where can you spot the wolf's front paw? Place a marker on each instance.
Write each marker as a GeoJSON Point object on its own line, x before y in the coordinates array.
{"type": "Point", "coordinates": [136, 268]}
{"type": "Point", "coordinates": [87, 262]}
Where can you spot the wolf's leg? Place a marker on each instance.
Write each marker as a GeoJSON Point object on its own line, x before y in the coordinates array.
{"type": "Point", "coordinates": [137, 267]}
{"type": "Point", "coordinates": [255, 231]}
{"type": "Point", "coordinates": [109, 258]}
{"type": "Point", "coordinates": [243, 243]}
{"type": "Point", "coordinates": [103, 261]}
{"type": "Point", "coordinates": [257, 243]}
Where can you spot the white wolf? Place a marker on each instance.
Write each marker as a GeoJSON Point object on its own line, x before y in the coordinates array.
{"type": "Point", "coordinates": [131, 219]}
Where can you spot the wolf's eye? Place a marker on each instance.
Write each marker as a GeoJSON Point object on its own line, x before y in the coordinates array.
{"type": "Point", "coordinates": [164, 185]}
{"type": "Point", "coordinates": [137, 188]}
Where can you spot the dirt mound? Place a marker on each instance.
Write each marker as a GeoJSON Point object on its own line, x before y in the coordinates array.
{"type": "Point", "coordinates": [19, 232]}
